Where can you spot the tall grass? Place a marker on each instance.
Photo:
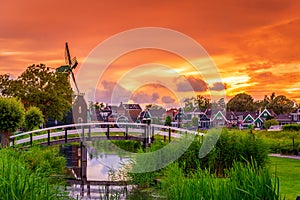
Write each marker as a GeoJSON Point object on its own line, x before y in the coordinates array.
{"type": "Point", "coordinates": [18, 181]}
{"type": "Point", "coordinates": [244, 182]}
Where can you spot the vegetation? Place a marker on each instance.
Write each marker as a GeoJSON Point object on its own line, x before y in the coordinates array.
{"type": "Point", "coordinates": [20, 180]}
{"type": "Point", "coordinates": [168, 120]}
{"type": "Point", "coordinates": [241, 102]}
{"type": "Point", "coordinates": [231, 147]}
{"type": "Point", "coordinates": [270, 122]}
{"type": "Point", "coordinates": [38, 86]}
{"type": "Point", "coordinates": [244, 182]}
{"type": "Point", "coordinates": [291, 127]}
{"type": "Point", "coordinates": [33, 118]}
{"type": "Point", "coordinates": [287, 171]}
{"type": "Point", "coordinates": [11, 117]}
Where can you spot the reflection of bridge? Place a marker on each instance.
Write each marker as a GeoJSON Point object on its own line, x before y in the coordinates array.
{"type": "Point", "coordinates": [97, 131]}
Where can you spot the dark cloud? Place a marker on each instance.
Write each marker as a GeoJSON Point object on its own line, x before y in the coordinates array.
{"type": "Point", "coordinates": [191, 84]}
{"type": "Point", "coordinates": [112, 93]}
{"type": "Point", "coordinates": [168, 100]}
{"type": "Point", "coordinates": [219, 86]}
{"type": "Point", "coordinates": [144, 97]}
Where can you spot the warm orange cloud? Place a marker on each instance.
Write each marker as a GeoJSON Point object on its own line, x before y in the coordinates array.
{"type": "Point", "coordinates": [253, 43]}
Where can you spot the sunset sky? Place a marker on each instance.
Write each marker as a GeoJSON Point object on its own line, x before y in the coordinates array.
{"type": "Point", "coordinates": [255, 44]}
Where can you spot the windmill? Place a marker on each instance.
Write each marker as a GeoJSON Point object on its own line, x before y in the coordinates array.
{"type": "Point", "coordinates": [79, 106]}
{"type": "Point", "coordinates": [71, 64]}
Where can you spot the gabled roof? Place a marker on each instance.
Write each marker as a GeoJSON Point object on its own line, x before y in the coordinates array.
{"type": "Point", "coordinates": [219, 113]}
{"type": "Point", "coordinates": [247, 117]}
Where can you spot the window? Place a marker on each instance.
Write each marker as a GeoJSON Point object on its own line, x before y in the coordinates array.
{"type": "Point", "coordinates": [79, 109]}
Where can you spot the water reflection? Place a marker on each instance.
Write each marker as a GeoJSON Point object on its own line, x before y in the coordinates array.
{"type": "Point", "coordinates": [96, 174]}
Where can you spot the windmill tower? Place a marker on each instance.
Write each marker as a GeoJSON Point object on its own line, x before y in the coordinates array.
{"type": "Point", "coordinates": [79, 105]}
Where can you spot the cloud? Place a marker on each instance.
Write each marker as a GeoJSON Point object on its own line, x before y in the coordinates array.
{"type": "Point", "coordinates": [112, 93]}
{"type": "Point", "coordinates": [144, 97]}
{"type": "Point", "coordinates": [191, 83]}
{"type": "Point", "coordinates": [219, 86]}
{"type": "Point", "coordinates": [168, 100]}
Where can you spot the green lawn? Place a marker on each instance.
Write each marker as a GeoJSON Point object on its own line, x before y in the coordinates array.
{"type": "Point", "coordinates": [288, 171]}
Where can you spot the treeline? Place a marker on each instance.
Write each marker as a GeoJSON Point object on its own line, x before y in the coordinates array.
{"type": "Point", "coordinates": [242, 103]}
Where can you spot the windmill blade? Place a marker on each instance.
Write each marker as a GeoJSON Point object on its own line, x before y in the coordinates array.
{"type": "Point", "coordinates": [67, 55]}
{"type": "Point", "coordinates": [74, 63]}
{"type": "Point", "coordinates": [73, 77]}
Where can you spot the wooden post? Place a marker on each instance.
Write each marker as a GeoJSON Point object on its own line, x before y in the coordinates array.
{"type": "Point", "coordinates": [30, 139]}
{"type": "Point", "coordinates": [126, 133]}
{"type": "Point", "coordinates": [89, 133]}
{"type": "Point", "coordinates": [82, 130]}
{"type": "Point", "coordinates": [48, 139]}
{"type": "Point", "coordinates": [152, 136]}
{"type": "Point", "coordinates": [169, 134]}
{"type": "Point", "coordinates": [66, 136]}
{"type": "Point", "coordinates": [13, 141]}
{"type": "Point", "coordinates": [144, 136]}
{"type": "Point", "coordinates": [107, 133]}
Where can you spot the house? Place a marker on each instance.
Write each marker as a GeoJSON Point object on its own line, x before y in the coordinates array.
{"type": "Point", "coordinates": [131, 111]}
{"type": "Point", "coordinates": [284, 119]}
{"type": "Point", "coordinates": [296, 115]}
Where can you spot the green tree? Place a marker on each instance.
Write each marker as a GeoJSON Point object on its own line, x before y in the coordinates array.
{"type": "Point", "coordinates": [202, 102]}
{"type": "Point", "coordinates": [11, 118]}
{"type": "Point", "coordinates": [38, 86]}
{"type": "Point", "coordinates": [241, 102]}
{"type": "Point", "coordinates": [168, 120]}
{"type": "Point", "coordinates": [33, 118]}
{"type": "Point", "coordinates": [195, 121]}
{"type": "Point", "coordinates": [281, 104]}
{"type": "Point", "coordinates": [221, 103]}
{"type": "Point", "coordinates": [269, 123]}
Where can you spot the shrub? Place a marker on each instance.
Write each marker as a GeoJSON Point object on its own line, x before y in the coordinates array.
{"type": "Point", "coordinates": [33, 118]}
{"type": "Point", "coordinates": [270, 122]}
{"type": "Point", "coordinates": [11, 117]}
{"type": "Point", "coordinates": [291, 127]}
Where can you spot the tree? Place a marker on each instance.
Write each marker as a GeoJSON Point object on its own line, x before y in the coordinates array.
{"type": "Point", "coordinates": [281, 104]}
{"type": "Point", "coordinates": [33, 118]}
{"type": "Point", "coordinates": [168, 120]}
{"type": "Point", "coordinates": [221, 103]}
{"type": "Point", "coordinates": [269, 123]}
{"type": "Point", "coordinates": [241, 103]}
{"type": "Point", "coordinates": [38, 86]}
{"type": "Point", "coordinates": [11, 117]}
{"type": "Point", "coordinates": [202, 102]}
{"type": "Point", "coordinates": [195, 121]}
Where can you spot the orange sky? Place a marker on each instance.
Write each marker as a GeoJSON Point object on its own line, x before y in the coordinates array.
{"type": "Point", "coordinates": [254, 44]}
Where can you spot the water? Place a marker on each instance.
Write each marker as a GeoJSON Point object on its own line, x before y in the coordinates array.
{"type": "Point", "coordinates": [94, 172]}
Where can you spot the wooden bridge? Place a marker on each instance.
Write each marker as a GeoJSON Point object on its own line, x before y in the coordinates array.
{"type": "Point", "coordinates": [97, 131]}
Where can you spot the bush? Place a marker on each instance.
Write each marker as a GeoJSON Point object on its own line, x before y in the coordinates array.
{"type": "Point", "coordinates": [270, 122]}
{"type": "Point", "coordinates": [33, 118]}
{"type": "Point", "coordinates": [291, 127]}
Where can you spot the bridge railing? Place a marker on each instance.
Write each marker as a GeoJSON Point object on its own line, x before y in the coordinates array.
{"type": "Point", "coordinates": [84, 131]}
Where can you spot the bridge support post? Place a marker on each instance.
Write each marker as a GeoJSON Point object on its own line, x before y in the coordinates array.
{"type": "Point", "coordinates": [152, 135]}
{"type": "Point", "coordinates": [89, 133]}
{"type": "Point", "coordinates": [48, 138]}
{"type": "Point", "coordinates": [126, 132]}
{"type": "Point", "coordinates": [30, 139]}
{"type": "Point", "coordinates": [144, 136]}
{"type": "Point", "coordinates": [107, 133]}
{"type": "Point", "coordinates": [13, 141]}
{"type": "Point", "coordinates": [66, 135]}
{"type": "Point", "coordinates": [82, 133]}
